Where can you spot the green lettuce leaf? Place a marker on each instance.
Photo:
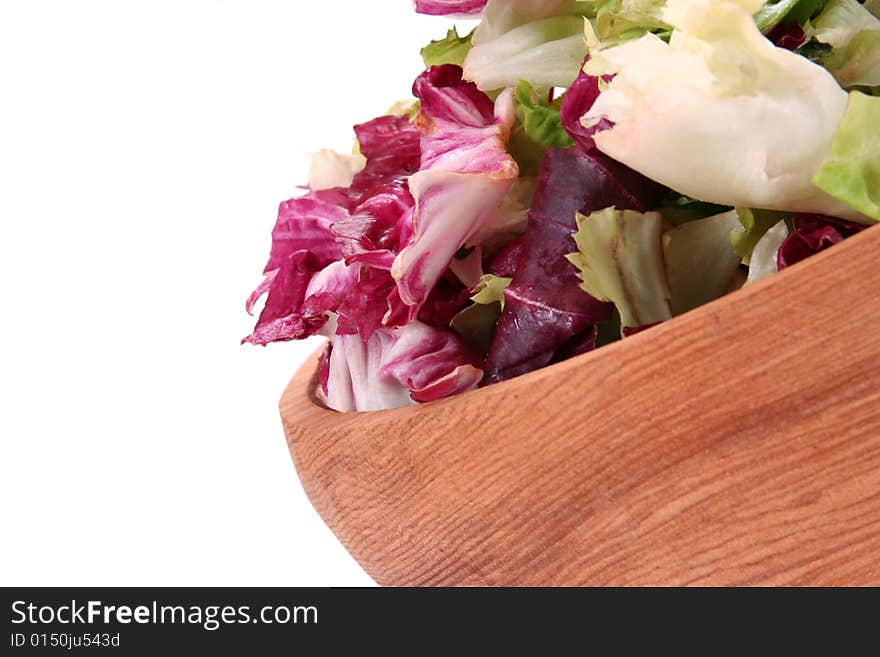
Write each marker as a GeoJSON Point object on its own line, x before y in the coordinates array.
{"type": "Point", "coordinates": [701, 264]}
{"type": "Point", "coordinates": [789, 11]}
{"type": "Point", "coordinates": [763, 262]}
{"type": "Point", "coordinates": [540, 119]}
{"type": "Point", "coordinates": [814, 50]}
{"type": "Point", "coordinates": [623, 19]}
{"type": "Point", "coordinates": [853, 35]}
{"type": "Point", "coordinates": [547, 52]}
{"type": "Point", "coordinates": [678, 209]}
{"type": "Point", "coordinates": [451, 50]}
{"type": "Point", "coordinates": [408, 108]}
{"type": "Point", "coordinates": [524, 150]}
{"type": "Point", "coordinates": [476, 323]}
{"type": "Point", "coordinates": [772, 13]}
{"type": "Point", "coordinates": [852, 175]}
{"type": "Point", "coordinates": [619, 20]}
{"type": "Point", "coordinates": [754, 224]}
{"type": "Point", "coordinates": [840, 20]}
{"type": "Point", "coordinates": [779, 111]}
{"type": "Point", "coordinates": [490, 290]}
{"type": "Point", "coordinates": [620, 259]}
{"type": "Point", "coordinates": [858, 63]}
{"type": "Point", "coordinates": [610, 331]}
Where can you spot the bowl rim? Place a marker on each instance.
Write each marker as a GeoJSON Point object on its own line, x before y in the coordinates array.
{"type": "Point", "coordinates": [307, 375]}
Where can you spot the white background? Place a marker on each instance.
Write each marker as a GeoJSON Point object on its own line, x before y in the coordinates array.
{"type": "Point", "coordinates": [144, 148]}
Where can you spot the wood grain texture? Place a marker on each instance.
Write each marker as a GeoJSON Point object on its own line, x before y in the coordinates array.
{"type": "Point", "coordinates": [738, 444]}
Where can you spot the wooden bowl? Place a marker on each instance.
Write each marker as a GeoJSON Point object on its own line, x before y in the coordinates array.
{"type": "Point", "coordinates": [738, 444]}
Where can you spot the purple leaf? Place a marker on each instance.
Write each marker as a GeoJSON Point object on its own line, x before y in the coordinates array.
{"type": "Point", "coordinates": [372, 234]}
{"type": "Point", "coordinates": [320, 225]}
{"type": "Point", "coordinates": [505, 261]}
{"type": "Point", "coordinates": [547, 316]}
{"type": "Point", "coordinates": [445, 300]}
{"type": "Point", "coordinates": [396, 367]}
{"type": "Point", "coordinates": [790, 36]}
{"type": "Point", "coordinates": [813, 233]}
{"type": "Point", "coordinates": [449, 7]}
{"type": "Point", "coordinates": [431, 362]}
{"type": "Point", "coordinates": [579, 344]}
{"type": "Point", "coordinates": [355, 381]}
{"type": "Point", "coordinates": [447, 99]}
{"type": "Point", "coordinates": [579, 98]}
{"type": "Point", "coordinates": [324, 368]}
{"type": "Point", "coordinates": [304, 224]}
{"type": "Point", "coordinates": [571, 181]}
{"type": "Point", "coordinates": [627, 331]}
{"type": "Point", "coordinates": [391, 145]}
{"type": "Point", "coordinates": [338, 196]}
{"type": "Point", "coordinates": [376, 230]}
{"type": "Point", "coordinates": [365, 302]}
{"type": "Point", "coordinates": [260, 290]}
{"type": "Point", "coordinates": [465, 174]}
{"type": "Point", "coordinates": [544, 306]}
{"type": "Point", "coordinates": [281, 319]}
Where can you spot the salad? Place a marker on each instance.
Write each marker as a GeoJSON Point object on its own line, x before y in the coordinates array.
{"type": "Point", "coordinates": [571, 173]}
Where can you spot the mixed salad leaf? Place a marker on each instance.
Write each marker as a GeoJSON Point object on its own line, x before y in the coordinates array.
{"type": "Point", "coordinates": [568, 174]}
{"type": "Point", "coordinates": [620, 259]}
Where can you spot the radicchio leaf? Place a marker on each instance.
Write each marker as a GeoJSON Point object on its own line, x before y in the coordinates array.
{"type": "Point", "coordinates": [577, 100]}
{"type": "Point", "coordinates": [362, 223]}
{"type": "Point", "coordinates": [397, 367]}
{"type": "Point", "coordinates": [391, 145]}
{"type": "Point", "coordinates": [546, 315]}
{"type": "Point", "coordinates": [355, 381]}
{"type": "Point", "coordinates": [324, 368]}
{"type": "Point", "coordinates": [431, 362]}
{"type": "Point", "coordinates": [304, 224]}
{"type": "Point", "coordinates": [449, 7]}
{"type": "Point", "coordinates": [365, 302]}
{"type": "Point", "coordinates": [790, 36]}
{"type": "Point", "coordinates": [465, 174]}
{"type": "Point", "coordinates": [372, 234]}
{"type": "Point", "coordinates": [813, 233]}
{"type": "Point", "coordinates": [445, 300]}
{"type": "Point", "coordinates": [302, 245]}
{"type": "Point", "coordinates": [281, 319]}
